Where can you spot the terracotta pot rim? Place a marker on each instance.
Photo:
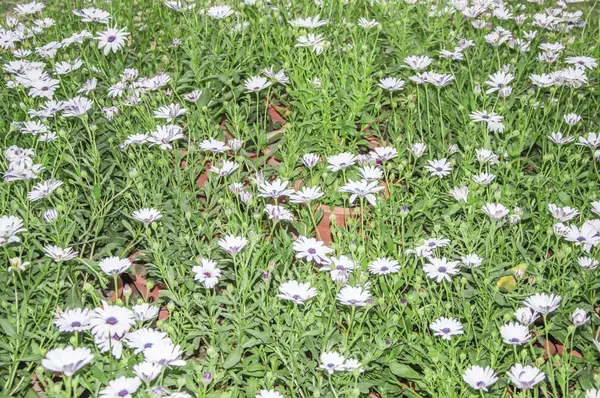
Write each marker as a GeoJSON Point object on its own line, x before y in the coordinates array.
{"type": "Point", "coordinates": [338, 210]}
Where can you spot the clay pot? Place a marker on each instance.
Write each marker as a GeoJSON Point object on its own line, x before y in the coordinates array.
{"type": "Point", "coordinates": [183, 163]}
{"type": "Point", "coordinates": [373, 141]}
{"type": "Point", "coordinates": [268, 155]}
{"type": "Point", "coordinates": [549, 347]}
{"type": "Point", "coordinates": [341, 215]}
{"type": "Point", "coordinates": [119, 293]}
{"type": "Point", "coordinates": [275, 115]}
{"type": "Point", "coordinates": [141, 286]}
{"type": "Point", "coordinates": [273, 134]}
{"type": "Point", "coordinates": [203, 177]}
{"type": "Point", "coordinates": [37, 386]}
{"type": "Point", "coordinates": [559, 349]}
{"type": "Point", "coordinates": [226, 133]}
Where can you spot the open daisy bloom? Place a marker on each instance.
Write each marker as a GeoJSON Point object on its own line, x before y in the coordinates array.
{"type": "Point", "coordinates": [67, 360]}
{"type": "Point", "coordinates": [480, 378]}
{"type": "Point", "coordinates": [112, 39]}
{"type": "Point", "coordinates": [296, 292]}
{"type": "Point", "coordinates": [207, 273]}
{"type": "Point", "coordinates": [446, 328]}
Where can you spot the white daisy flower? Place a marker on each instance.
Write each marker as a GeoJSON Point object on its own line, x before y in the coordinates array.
{"type": "Point", "coordinates": [59, 254]}
{"type": "Point", "coordinates": [144, 312]}
{"type": "Point", "coordinates": [543, 303]}
{"type": "Point", "coordinates": [480, 378]}
{"type": "Point", "coordinates": [146, 215]}
{"type": "Point", "coordinates": [332, 362]}
{"type": "Point", "coordinates": [441, 269]}
{"type": "Point", "coordinates": [110, 320]}
{"type": "Point", "coordinates": [114, 265]}
{"type": "Point", "coordinates": [311, 250]}
{"type": "Point", "coordinates": [297, 292]}
{"type": "Point", "coordinates": [112, 39]}
{"type": "Point", "coordinates": [232, 244]}
{"type": "Point", "coordinates": [525, 377]}
{"type": "Point", "coordinates": [123, 387]}
{"type": "Point", "coordinates": [446, 327]}
{"type": "Point", "coordinates": [515, 334]}
{"type": "Point", "coordinates": [384, 266]}
{"type": "Point", "coordinates": [73, 320]}
{"type": "Point", "coordinates": [356, 296]}
{"type": "Point", "coordinates": [207, 273]}
{"type": "Point", "coordinates": [67, 360]}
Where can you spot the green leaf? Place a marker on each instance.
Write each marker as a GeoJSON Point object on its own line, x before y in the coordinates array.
{"type": "Point", "coordinates": [314, 332]}
{"type": "Point", "coordinates": [254, 370]}
{"type": "Point", "coordinates": [97, 192]}
{"type": "Point", "coordinates": [99, 374]}
{"type": "Point", "coordinates": [8, 328]}
{"type": "Point", "coordinates": [31, 394]}
{"type": "Point", "coordinates": [31, 358]}
{"type": "Point", "coordinates": [170, 296]}
{"type": "Point", "coordinates": [73, 299]}
{"type": "Point", "coordinates": [404, 371]}
{"type": "Point", "coordinates": [251, 343]}
{"type": "Point", "coordinates": [233, 358]}
{"type": "Point", "coordinates": [263, 336]}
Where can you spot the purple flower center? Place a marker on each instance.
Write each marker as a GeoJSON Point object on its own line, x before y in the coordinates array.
{"type": "Point", "coordinates": [442, 269]}
{"type": "Point", "coordinates": [384, 268]}
{"type": "Point", "coordinates": [340, 268]}
{"type": "Point", "coordinates": [207, 274]}
{"type": "Point", "coordinates": [514, 340]}
{"type": "Point", "coordinates": [112, 320]}
{"type": "Point", "coordinates": [480, 384]}
{"type": "Point", "coordinates": [580, 239]}
{"type": "Point", "coordinates": [296, 296]}
{"type": "Point", "coordinates": [330, 365]}
{"type": "Point", "coordinates": [111, 39]}
{"type": "Point", "coordinates": [312, 251]}
{"type": "Point", "coordinates": [431, 244]}
{"type": "Point", "coordinates": [438, 169]}
{"type": "Point", "coordinates": [123, 393]}
{"type": "Point", "coordinates": [446, 330]}
{"type": "Point", "coordinates": [75, 324]}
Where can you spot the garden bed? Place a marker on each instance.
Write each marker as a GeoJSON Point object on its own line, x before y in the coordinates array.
{"type": "Point", "coordinates": [302, 199]}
